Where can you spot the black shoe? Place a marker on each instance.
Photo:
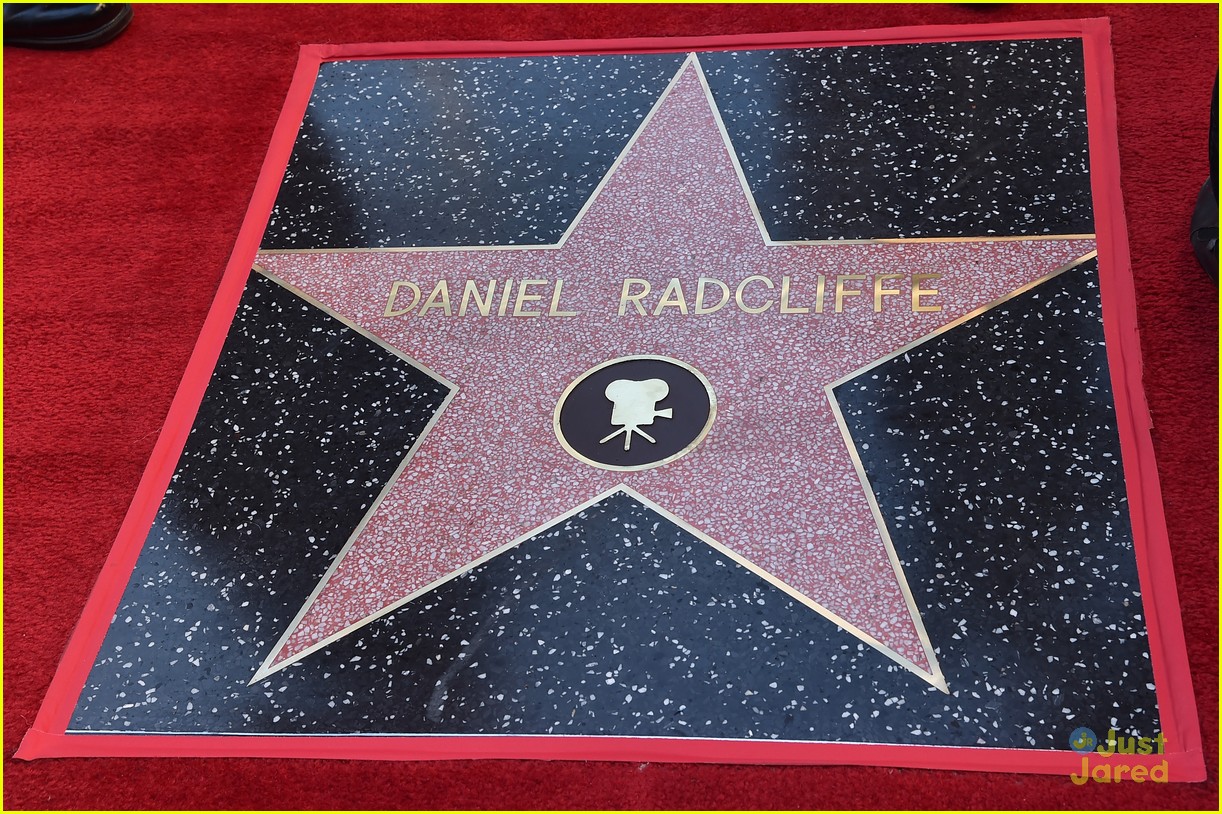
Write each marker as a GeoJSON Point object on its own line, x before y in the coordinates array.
{"type": "Point", "coordinates": [1204, 234]}
{"type": "Point", "coordinates": [1204, 229]}
{"type": "Point", "coordinates": [64, 25]}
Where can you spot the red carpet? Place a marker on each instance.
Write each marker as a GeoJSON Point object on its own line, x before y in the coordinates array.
{"type": "Point", "coordinates": [128, 171]}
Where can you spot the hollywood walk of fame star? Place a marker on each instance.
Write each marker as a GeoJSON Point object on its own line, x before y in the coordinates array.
{"type": "Point", "coordinates": [773, 484]}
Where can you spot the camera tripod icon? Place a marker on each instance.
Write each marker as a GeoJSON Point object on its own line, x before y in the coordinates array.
{"type": "Point", "coordinates": [634, 404]}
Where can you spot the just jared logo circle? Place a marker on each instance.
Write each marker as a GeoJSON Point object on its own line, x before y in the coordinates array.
{"type": "Point", "coordinates": [635, 412]}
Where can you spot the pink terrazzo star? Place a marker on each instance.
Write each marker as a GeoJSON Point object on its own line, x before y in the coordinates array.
{"type": "Point", "coordinates": [773, 482]}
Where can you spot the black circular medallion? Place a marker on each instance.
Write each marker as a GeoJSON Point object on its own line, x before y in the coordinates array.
{"type": "Point", "coordinates": [636, 412]}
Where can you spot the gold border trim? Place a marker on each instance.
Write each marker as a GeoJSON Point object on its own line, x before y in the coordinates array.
{"type": "Point", "coordinates": [934, 676]}
{"type": "Point", "coordinates": [695, 442]}
{"type": "Point", "coordinates": [692, 60]}
{"type": "Point", "coordinates": [263, 670]}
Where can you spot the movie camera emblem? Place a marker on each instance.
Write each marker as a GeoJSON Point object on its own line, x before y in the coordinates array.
{"type": "Point", "coordinates": [635, 412]}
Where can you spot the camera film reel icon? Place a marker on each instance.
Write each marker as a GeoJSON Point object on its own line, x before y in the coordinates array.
{"type": "Point", "coordinates": [635, 412]}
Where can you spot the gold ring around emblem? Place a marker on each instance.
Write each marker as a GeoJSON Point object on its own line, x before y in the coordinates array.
{"type": "Point", "coordinates": [695, 442]}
